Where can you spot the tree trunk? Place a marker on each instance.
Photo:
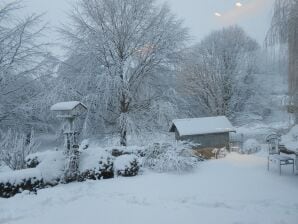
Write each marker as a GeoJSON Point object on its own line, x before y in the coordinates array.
{"type": "Point", "coordinates": [124, 107]}
{"type": "Point", "coordinates": [123, 136]}
{"type": "Point", "coordinates": [124, 104]}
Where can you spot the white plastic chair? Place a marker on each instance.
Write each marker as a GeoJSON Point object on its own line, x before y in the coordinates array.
{"type": "Point", "coordinates": [274, 155]}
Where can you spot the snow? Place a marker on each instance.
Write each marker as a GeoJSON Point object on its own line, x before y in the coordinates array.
{"type": "Point", "coordinates": [123, 162]}
{"type": "Point", "coordinates": [16, 177]}
{"type": "Point", "coordinates": [84, 144]}
{"type": "Point", "coordinates": [42, 156]}
{"type": "Point", "coordinates": [237, 189]}
{"type": "Point", "coordinates": [260, 130]}
{"type": "Point", "coordinates": [89, 158]}
{"type": "Point", "coordinates": [49, 169]}
{"type": "Point", "coordinates": [4, 168]}
{"type": "Point", "coordinates": [70, 105]}
{"type": "Point", "coordinates": [290, 140]}
{"type": "Point", "coordinates": [278, 157]}
{"type": "Point", "coordinates": [52, 165]}
{"type": "Point", "coordinates": [204, 125]}
{"type": "Point", "coordinates": [251, 146]}
{"type": "Point", "coordinates": [170, 157]}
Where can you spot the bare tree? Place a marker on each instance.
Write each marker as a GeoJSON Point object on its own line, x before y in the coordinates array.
{"type": "Point", "coordinates": [129, 41]}
{"type": "Point", "coordinates": [15, 147]}
{"type": "Point", "coordinates": [23, 60]}
{"type": "Point", "coordinates": [284, 30]}
{"type": "Point", "coordinates": [214, 69]}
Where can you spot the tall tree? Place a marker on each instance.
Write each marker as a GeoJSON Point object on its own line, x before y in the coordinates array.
{"type": "Point", "coordinates": [214, 69]}
{"type": "Point", "coordinates": [284, 30]}
{"type": "Point", "coordinates": [23, 59]}
{"type": "Point", "coordinates": [130, 42]}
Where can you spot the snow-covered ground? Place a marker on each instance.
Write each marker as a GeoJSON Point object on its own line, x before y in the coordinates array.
{"type": "Point", "coordinates": [237, 189]}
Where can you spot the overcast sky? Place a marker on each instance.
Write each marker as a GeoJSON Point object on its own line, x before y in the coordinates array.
{"type": "Point", "coordinates": [199, 15]}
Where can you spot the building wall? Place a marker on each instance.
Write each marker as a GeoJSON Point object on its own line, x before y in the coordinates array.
{"type": "Point", "coordinates": [218, 140]}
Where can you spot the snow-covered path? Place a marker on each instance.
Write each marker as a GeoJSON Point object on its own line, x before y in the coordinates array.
{"type": "Point", "coordinates": [237, 189]}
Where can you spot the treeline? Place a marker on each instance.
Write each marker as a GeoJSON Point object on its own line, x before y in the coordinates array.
{"type": "Point", "coordinates": [131, 63]}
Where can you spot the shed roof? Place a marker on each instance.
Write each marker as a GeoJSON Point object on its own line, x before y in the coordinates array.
{"type": "Point", "coordinates": [66, 106]}
{"type": "Point", "coordinates": [200, 126]}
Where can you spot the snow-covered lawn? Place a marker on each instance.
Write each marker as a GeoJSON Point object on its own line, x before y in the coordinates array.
{"type": "Point", "coordinates": [237, 189]}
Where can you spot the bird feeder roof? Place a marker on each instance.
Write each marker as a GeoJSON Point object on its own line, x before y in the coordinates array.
{"type": "Point", "coordinates": [67, 106]}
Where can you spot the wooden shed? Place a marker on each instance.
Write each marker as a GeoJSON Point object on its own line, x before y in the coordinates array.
{"type": "Point", "coordinates": [207, 132]}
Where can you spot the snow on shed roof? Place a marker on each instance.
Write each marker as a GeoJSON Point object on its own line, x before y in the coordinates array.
{"type": "Point", "coordinates": [204, 125]}
{"type": "Point", "coordinates": [64, 106]}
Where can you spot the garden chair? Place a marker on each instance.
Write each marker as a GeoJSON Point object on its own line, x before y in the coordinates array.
{"type": "Point", "coordinates": [274, 155]}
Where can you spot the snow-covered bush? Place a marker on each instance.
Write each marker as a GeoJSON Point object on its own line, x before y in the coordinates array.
{"type": "Point", "coordinates": [250, 146]}
{"type": "Point", "coordinates": [290, 140]}
{"type": "Point", "coordinates": [31, 184]}
{"type": "Point", "coordinates": [14, 148]}
{"type": "Point", "coordinates": [106, 167]}
{"type": "Point", "coordinates": [103, 163]}
{"type": "Point", "coordinates": [117, 152]}
{"type": "Point", "coordinates": [84, 144]}
{"type": "Point", "coordinates": [96, 163]}
{"type": "Point", "coordinates": [47, 168]}
{"type": "Point", "coordinates": [32, 162]}
{"type": "Point", "coordinates": [170, 157]}
{"type": "Point", "coordinates": [48, 172]}
{"type": "Point", "coordinates": [126, 165]}
{"type": "Point", "coordinates": [34, 159]}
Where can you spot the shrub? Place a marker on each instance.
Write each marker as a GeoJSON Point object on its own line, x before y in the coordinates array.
{"type": "Point", "coordinates": [13, 182]}
{"type": "Point", "coordinates": [32, 162]}
{"type": "Point", "coordinates": [31, 184]}
{"type": "Point", "coordinates": [126, 165]}
{"type": "Point", "coordinates": [84, 144]}
{"type": "Point", "coordinates": [48, 172]}
{"type": "Point", "coordinates": [250, 146]}
{"type": "Point", "coordinates": [89, 175]}
{"type": "Point", "coordinates": [15, 147]}
{"type": "Point", "coordinates": [95, 164]}
{"type": "Point", "coordinates": [117, 152]}
{"type": "Point", "coordinates": [170, 157]}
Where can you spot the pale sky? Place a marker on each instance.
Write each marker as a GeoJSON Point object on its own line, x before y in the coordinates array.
{"type": "Point", "coordinates": [199, 15]}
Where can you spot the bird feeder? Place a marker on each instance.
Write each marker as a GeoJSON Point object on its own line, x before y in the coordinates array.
{"type": "Point", "coordinates": [69, 111]}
